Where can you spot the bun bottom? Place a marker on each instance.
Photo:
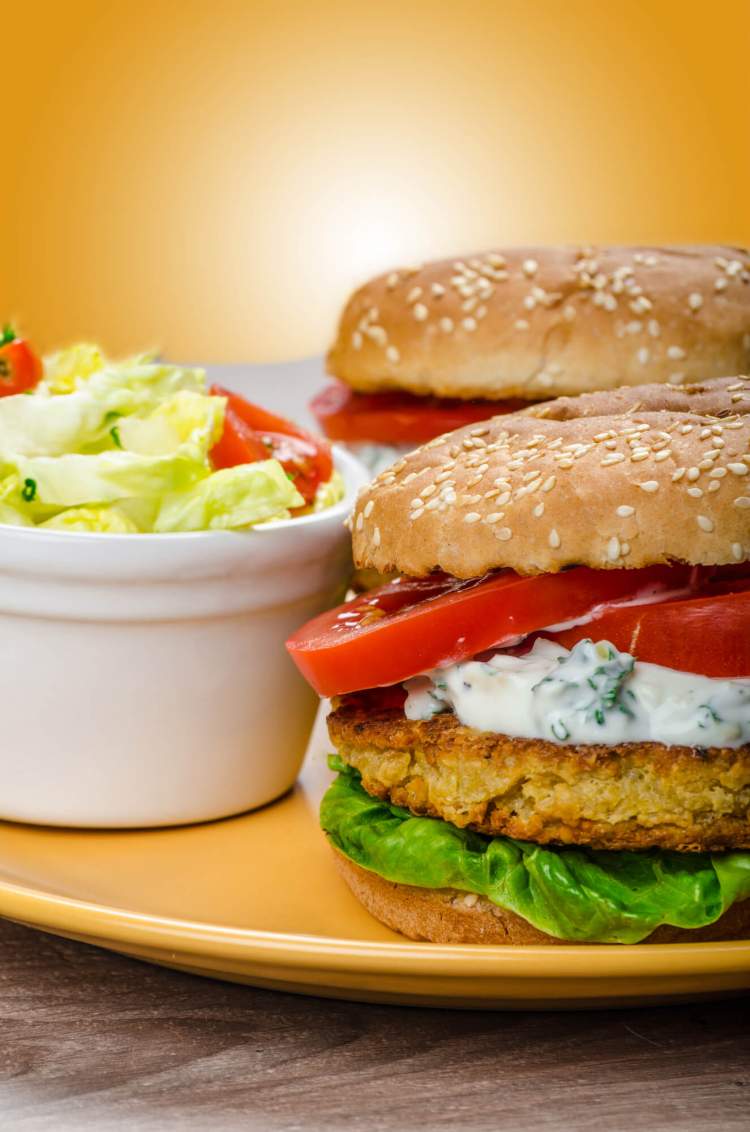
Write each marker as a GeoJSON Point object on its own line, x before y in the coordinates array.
{"type": "Point", "coordinates": [444, 916]}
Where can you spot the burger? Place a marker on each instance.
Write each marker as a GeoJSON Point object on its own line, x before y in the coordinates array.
{"type": "Point", "coordinates": [542, 724]}
{"type": "Point", "coordinates": [426, 349]}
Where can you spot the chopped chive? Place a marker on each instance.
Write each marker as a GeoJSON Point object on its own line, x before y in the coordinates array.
{"type": "Point", "coordinates": [28, 492]}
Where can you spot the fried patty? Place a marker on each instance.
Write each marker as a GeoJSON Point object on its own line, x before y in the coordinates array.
{"type": "Point", "coordinates": [629, 796]}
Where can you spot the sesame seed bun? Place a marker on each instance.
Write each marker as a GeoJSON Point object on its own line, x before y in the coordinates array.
{"type": "Point", "coordinates": [649, 475]}
{"type": "Point", "coordinates": [538, 322]}
{"type": "Point", "coordinates": [448, 916]}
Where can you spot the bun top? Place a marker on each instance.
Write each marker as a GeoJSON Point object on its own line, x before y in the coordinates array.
{"type": "Point", "coordinates": [537, 322]}
{"type": "Point", "coordinates": [633, 478]}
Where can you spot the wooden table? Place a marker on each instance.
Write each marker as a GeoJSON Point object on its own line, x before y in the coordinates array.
{"type": "Point", "coordinates": [94, 1041]}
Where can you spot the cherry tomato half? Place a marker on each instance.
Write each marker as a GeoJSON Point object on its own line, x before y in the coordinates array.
{"type": "Point", "coordinates": [20, 367]}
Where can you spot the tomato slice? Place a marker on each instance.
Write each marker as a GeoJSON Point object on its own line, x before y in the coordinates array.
{"type": "Point", "coordinates": [239, 444]}
{"type": "Point", "coordinates": [398, 418]}
{"type": "Point", "coordinates": [707, 634]}
{"type": "Point", "coordinates": [411, 625]}
{"type": "Point", "coordinates": [252, 433]}
{"type": "Point", "coordinates": [20, 367]}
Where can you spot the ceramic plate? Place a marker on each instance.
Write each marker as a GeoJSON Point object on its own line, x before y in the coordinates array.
{"type": "Point", "coordinates": [256, 899]}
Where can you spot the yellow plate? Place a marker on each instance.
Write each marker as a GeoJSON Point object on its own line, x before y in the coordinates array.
{"type": "Point", "coordinates": [256, 899]}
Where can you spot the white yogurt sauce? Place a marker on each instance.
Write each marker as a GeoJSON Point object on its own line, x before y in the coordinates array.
{"type": "Point", "coordinates": [590, 694]}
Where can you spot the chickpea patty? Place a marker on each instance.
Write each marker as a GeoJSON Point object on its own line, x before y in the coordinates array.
{"type": "Point", "coordinates": [629, 796]}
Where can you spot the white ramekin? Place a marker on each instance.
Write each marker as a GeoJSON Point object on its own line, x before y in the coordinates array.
{"type": "Point", "coordinates": [144, 679]}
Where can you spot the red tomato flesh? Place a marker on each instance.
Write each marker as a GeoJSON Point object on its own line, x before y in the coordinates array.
{"type": "Point", "coordinates": [20, 367]}
{"type": "Point", "coordinates": [239, 444]}
{"type": "Point", "coordinates": [252, 433]}
{"type": "Point", "coordinates": [398, 418]}
{"type": "Point", "coordinates": [411, 625]}
{"type": "Point", "coordinates": [708, 633]}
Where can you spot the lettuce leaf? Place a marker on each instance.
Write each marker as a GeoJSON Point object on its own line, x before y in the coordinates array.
{"type": "Point", "coordinates": [185, 418]}
{"type": "Point", "coordinates": [571, 893]}
{"type": "Point", "coordinates": [74, 480]}
{"type": "Point", "coordinates": [110, 520]}
{"type": "Point", "coordinates": [230, 499]}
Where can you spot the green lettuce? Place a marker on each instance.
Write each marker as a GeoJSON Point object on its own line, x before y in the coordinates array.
{"type": "Point", "coordinates": [231, 498]}
{"type": "Point", "coordinates": [125, 447]}
{"type": "Point", "coordinates": [575, 894]}
{"type": "Point", "coordinates": [110, 520]}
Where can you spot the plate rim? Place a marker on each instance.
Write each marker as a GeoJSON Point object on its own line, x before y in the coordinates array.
{"type": "Point", "coordinates": [55, 912]}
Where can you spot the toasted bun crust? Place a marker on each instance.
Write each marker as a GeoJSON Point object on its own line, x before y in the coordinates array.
{"type": "Point", "coordinates": [447, 916]}
{"type": "Point", "coordinates": [536, 322]}
{"type": "Point", "coordinates": [616, 485]}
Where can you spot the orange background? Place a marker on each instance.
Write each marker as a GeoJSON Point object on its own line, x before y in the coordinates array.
{"type": "Point", "coordinates": [212, 176]}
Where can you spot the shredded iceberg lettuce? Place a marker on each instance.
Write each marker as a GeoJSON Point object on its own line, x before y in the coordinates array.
{"type": "Point", "coordinates": [125, 447]}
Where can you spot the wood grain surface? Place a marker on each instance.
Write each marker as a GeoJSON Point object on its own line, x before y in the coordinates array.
{"type": "Point", "coordinates": [94, 1041]}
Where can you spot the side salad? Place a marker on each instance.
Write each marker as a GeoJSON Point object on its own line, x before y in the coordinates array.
{"type": "Point", "coordinates": [88, 444]}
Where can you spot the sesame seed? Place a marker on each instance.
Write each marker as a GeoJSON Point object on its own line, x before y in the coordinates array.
{"type": "Point", "coordinates": [639, 454]}
{"type": "Point", "coordinates": [613, 548]}
{"type": "Point", "coordinates": [376, 537]}
{"type": "Point", "coordinates": [721, 284]}
{"type": "Point", "coordinates": [742, 501]}
{"type": "Point", "coordinates": [693, 473]}
{"type": "Point", "coordinates": [392, 280]}
{"type": "Point", "coordinates": [392, 354]}
{"type": "Point", "coordinates": [640, 305]}
{"type": "Point", "coordinates": [717, 473]}
{"type": "Point", "coordinates": [538, 510]}
{"type": "Point", "coordinates": [504, 533]}
{"type": "Point", "coordinates": [649, 486]}
{"type": "Point", "coordinates": [705, 523]}
{"type": "Point", "coordinates": [369, 506]}
{"type": "Point", "coordinates": [530, 267]}
{"type": "Point", "coordinates": [676, 353]}
{"type": "Point", "coordinates": [665, 454]}
{"type": "Point", "coordinates": [414, 294]}
{"type": "Point", "coordinates": [625, 511]}
{"type": "Point", "coordinates": [644, 355]}
{"type": "Point", "coordinates": [438, 290]}
{"type": "Point", "coordinates": [357, 340]}
{"type": "Point", "coordinates": [420, 312]}
{"type": "Point", "coordinates": [695, 301]}
{"type": "Point", "coordinates": [654, 328]}
{"type": "Point", "coordinates": [521, 324]}
{"type": "Point", "coordinates": [614, 458]}
{"type": "Point", "coordinates": [737, 551]}
{"type": "Point", "coordinates": [738, 469]}
{"type": "Point", "coordinates": [569, 312]}
{"type": "Point", "coordinates": [469, 323]}
{"type": "Point", "coordinates": [695, 492]}
{"type": "Point", "coordinates": [472, 517]}
{"type": "Point", "coordinates": [554, 539]}
{"type": "Point", "coordinates": [360, 522]}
